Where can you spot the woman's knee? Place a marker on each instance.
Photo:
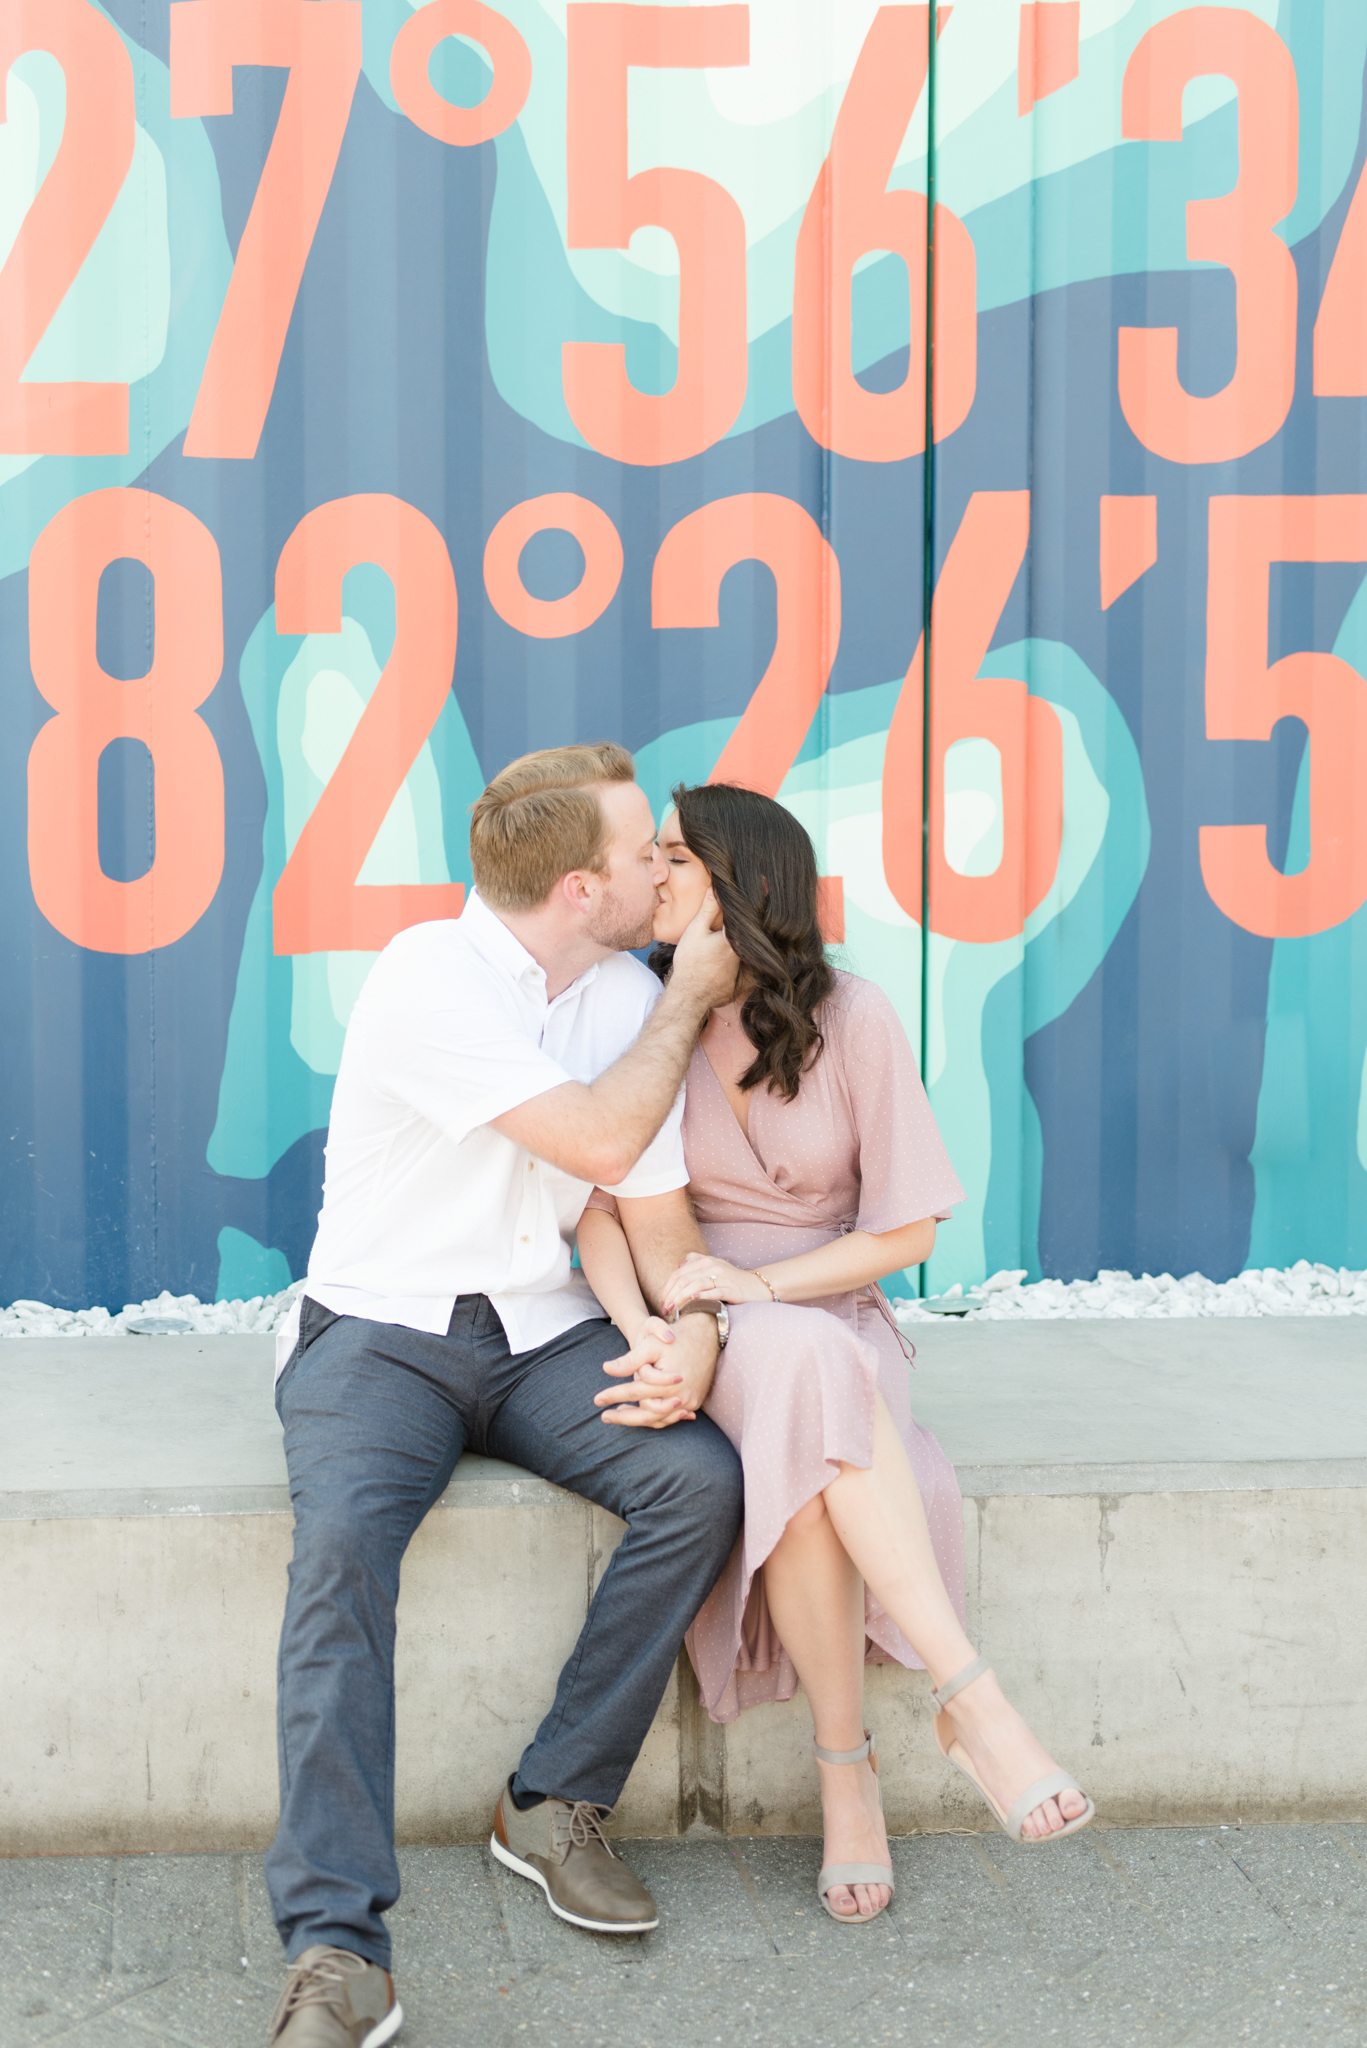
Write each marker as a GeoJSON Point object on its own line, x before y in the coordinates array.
{"type": "Point", "coordinates": [808, 1518]}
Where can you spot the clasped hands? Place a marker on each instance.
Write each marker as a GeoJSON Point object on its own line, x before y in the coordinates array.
{"type": "Point", "coordinates": [667, 1373]}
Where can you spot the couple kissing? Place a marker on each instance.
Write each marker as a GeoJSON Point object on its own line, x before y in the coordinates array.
{"type": "Point", "coordinates": [736, 1142]}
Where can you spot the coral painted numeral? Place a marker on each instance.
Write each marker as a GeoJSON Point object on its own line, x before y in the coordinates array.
{"type": "Point", "coordinates": [59, 230]}
{"type": "Point", "coordinates": [975, 583]}
{"type": "Point", "coordinates": [852, 212]}
{"type": "Point", "coordinates": [605, 209]}
{"type": "Point", "coordinates": [319, 907]}
{"type": "Point", "coordinates": [1245, 698]}
{"type": "Point", "coordinates": [320, 43]}
{"type": "Point", "coordinates": [94, 708]}
{"type": "Point", "coordinates": [758, 526]}
{"type": "Point", "coordinates": [1235, 230]}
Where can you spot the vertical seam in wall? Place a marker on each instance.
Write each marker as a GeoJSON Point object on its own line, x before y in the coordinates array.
{"type": "Point", "coordinates": [827, 178]}
{"type": "Point", "coordinates": [149, 643]}
{"type": "Point", "coordinates": [1025, 1096]}
{"type": "Point", "coordinates": [927, 550]}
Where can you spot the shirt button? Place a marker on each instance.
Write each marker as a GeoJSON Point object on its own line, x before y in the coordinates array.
{"type": "Point", "coordinates": [531, 1166]}
{"type": "Point", "coordinates": [526, 1240]}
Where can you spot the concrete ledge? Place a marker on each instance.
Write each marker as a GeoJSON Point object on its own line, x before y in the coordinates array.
{"type": "Point", "coordinates": [1163, 1524]}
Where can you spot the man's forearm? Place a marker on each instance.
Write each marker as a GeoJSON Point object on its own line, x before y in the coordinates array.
{"type": "Point", "coordinates": [597, 1130]}
{"type": "Point", "coordinates": [635, 1094]}
{"type": "Point", "coordinates": [661, 1231]}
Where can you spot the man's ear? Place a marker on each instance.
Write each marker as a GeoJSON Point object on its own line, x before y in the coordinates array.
{"type": "Point", "coordinates": [577, 889]}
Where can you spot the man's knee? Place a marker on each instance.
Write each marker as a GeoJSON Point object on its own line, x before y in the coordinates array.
{"type": "Point", "coordinates": [709, 1487]}
{"type": "Point", "coordinates": [335, 1550]}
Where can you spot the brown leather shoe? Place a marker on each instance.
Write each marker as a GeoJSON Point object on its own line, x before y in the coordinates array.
{"type": "Point", "coordinates": [333, 1999]}
{"type": "Point", "coordinates": [560, 1845]}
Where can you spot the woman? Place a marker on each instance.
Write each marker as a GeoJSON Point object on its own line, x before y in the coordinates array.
{"type": "Point", "coordinates": [816, 1168]}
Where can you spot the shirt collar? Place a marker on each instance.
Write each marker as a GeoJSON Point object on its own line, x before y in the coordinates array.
{"type": "Point", "coordinates": [491, 938]}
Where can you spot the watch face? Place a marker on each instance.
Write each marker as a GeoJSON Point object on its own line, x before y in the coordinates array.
{"type": "Point", "coordinates": [723, 1321]}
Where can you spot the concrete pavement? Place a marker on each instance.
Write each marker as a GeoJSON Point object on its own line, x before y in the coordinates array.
{"type": "Point", "coordinates": [1140, 1938]}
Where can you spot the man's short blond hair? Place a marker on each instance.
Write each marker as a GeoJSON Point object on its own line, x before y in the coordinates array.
{"type": "Point", "coordinates": [541, 819]}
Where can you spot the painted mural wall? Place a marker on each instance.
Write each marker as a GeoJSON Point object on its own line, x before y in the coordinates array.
{"type": "Point", "coordinates": [956, 430]}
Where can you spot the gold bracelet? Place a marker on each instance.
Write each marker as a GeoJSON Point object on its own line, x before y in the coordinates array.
{"type": "Point", "coordinates": [768, 1283]}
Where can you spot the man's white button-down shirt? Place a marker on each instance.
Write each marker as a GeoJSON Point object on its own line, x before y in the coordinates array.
{"type": "Point", "coordinates": [422, 1200]}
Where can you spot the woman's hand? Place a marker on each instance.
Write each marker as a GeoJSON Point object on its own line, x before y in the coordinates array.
{"type": "Point", "coordinates": [703, 1278]}
{"type": "Point", "coordinates": [652, 1396]}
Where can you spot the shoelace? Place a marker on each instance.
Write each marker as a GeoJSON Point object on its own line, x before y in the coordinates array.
{"type": "Point", "coordinates": [580, 1828]}
{"type": "Point", "coordinates": [315, 1983]}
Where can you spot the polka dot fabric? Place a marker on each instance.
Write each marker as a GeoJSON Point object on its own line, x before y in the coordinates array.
{"type": "Point", "coordinates": [795, 1388]}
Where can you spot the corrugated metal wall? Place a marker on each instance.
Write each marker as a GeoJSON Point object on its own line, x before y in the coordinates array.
{"type": "Point", "coordinates": [391, 389]}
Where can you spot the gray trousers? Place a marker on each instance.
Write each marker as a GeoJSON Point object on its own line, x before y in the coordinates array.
{"type": "Point", "coordinates": [375, 1418]}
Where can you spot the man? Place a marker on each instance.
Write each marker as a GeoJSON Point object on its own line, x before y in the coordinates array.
{"type": "Point", "coordinates": [495, 1069]}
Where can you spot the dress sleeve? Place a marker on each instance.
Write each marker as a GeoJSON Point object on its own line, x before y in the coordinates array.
{"type": "Point", "coordinates": [904, 1168]}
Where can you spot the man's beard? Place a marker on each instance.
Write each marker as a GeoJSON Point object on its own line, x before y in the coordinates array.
{"type": "Point", "coordinates": [612, 927]}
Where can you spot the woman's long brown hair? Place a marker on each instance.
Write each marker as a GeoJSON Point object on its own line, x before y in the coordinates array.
{"type": "Point", "coordinates": [763, 873]}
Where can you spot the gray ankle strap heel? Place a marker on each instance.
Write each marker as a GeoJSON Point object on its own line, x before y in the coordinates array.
{"type": "Point", "coordinates": [1034, 1795]}
{"type": "Point", "coordinates": [832, 1874]}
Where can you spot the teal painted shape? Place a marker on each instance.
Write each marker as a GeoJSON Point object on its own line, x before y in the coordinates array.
{"type": "Point", "coordinates": [381, 21]}
{"type": "Point", "coordinates": [1328, 44]}
{"type": "Point", "coordinates": [246, 1268]}
{"type": "Point", "coordinates": [1309, 1159]}
{"type": "Point", "coordinates": [687, 754]}
{"type": "Point", "coordinates": [851, 715]}
{"type": "Point", "coordinates": [994, 997]}
{"type": "Point", "coordinates": [268, 1097]}
{"type": "Point", "coordinates": [199, 263]}
{"type": "Point", "coordinates": [1118, 213]}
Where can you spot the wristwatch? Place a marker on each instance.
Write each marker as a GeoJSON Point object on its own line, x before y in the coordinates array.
{"type": "Point", "coordinates": [708, 1308]}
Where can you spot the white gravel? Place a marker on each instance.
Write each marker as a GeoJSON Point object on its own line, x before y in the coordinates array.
{"type": "Point", "coordinates": [1299, 1290]}
{"type": "Point", "coordinates": [170, 1315]}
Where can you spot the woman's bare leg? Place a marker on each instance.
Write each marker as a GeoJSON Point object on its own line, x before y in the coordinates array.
{"type": "Point", "coordinates": [816, 1598]}
{"type": "Point", "coordinates": [880, 1520]}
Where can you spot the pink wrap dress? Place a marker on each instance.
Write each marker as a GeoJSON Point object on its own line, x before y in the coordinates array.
{"type": "Point", "coordinates": [795, 1386]}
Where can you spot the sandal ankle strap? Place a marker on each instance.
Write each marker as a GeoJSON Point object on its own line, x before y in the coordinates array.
{"type": "Point", "coordinates": [941, 1697]}
{"type": "Point", "coordinates": [845, 1756]}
